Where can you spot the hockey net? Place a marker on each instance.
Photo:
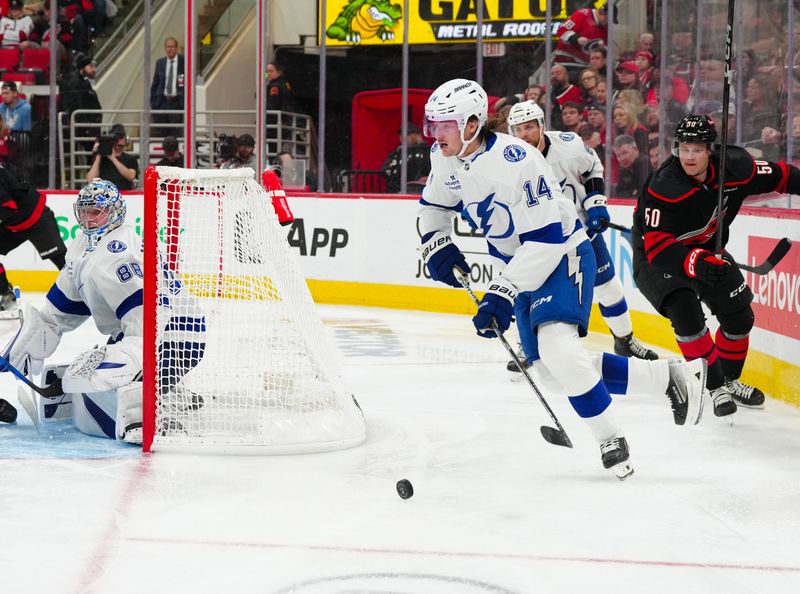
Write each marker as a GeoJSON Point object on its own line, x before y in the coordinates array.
{"type": "Point", "coordinates": [236, 357]}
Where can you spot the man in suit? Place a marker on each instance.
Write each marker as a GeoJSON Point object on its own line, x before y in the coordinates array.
{"type": "Point", "coordinates": [166, 91]}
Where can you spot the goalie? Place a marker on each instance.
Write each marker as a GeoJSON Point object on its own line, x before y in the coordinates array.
{"type": "Point", "coordinates": [103, 279]}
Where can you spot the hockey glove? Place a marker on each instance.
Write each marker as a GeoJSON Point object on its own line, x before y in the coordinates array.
{"type": "Point", "coordinates": [596, 212]}
{"type": "Point", "coordinates": [704, 266]}
{"type": "Point", "coordinates": [440, 255]}
{"type": "Point", "coordinates": [498, 305]}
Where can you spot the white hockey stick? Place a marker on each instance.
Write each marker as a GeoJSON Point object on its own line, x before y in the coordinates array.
{"type": "Point", "coordinates": [556, 436]}
{"type": "Point", "coordinates": [26, 401]}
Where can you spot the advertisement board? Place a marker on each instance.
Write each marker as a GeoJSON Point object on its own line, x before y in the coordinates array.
{"type": "Point", "coordinates": [380, 22]}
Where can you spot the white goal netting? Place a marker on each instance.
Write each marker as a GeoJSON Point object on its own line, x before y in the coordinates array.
{"type": "Point", "coordinates": [243, 362]}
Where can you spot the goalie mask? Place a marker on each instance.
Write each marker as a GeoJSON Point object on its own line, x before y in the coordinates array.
{"type": "Point", "coordinates": [99, 209]}
{"type": "Point", "coordinates": [456, 100]}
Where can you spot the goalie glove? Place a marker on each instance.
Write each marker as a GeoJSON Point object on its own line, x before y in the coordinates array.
{"type": "Point", "coordinates": [36, 339]}
{"type": "Point", "coordinates": [105, 368]}
{"type": "Point", "coordinates": [440, 254]}
{"type": "Point", "coordinates": [597, 217]}
{"type": "Point", "coordinates": [498, 305]}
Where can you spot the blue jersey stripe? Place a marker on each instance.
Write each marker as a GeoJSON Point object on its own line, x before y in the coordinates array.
{"type": "Point", "coordinates": [66, 305]}
{"type": "Point", "coordinates": [186, 324]}
{"type": "Point", "coordinates": [135, 299]}
{"type": "Point", "coordinates": [551, 233]}
{"type": "Point", "coordinates": [493, 251]}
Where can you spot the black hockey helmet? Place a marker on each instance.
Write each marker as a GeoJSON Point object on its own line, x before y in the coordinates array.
{"type": "Point", "coordinates": [694, 128]}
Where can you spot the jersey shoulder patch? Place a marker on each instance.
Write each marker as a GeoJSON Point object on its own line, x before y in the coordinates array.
{"type": "Point", "coordinates": [115, 246]}
{"type": "Point", "coordinates": [567, 136]}
{"type": "Point", "coordinates": [514, 153]}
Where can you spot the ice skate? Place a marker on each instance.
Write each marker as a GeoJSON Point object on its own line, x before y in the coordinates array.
{"type": "Point", "coordinates": [616, 457]}
{"type": "Point", "coordinates": [512, 365]}
{"type": "Point", "coordinates": [629, 346]}
{"type": "Point", "coordinates": [744, 395]}
{"type": "Point", "coordinates": [723, 402]}
{"type": "Point", "coordinates": [687, 381]}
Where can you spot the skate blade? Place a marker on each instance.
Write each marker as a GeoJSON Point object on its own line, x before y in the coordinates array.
{"type": "Point", "coordinates": [622, 470]}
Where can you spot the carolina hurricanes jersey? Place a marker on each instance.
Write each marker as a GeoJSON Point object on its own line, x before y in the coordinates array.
{"type": "Point", "coordinates": [105, 283]}
{"type": "Point", "coordinates": [581, 23]}
{"type": "Point", "coordinates": [512, 194]}
{"type": "Point", "coordinates": [574, 164]}
{"type": "Point", "coordinates": [676, 214]}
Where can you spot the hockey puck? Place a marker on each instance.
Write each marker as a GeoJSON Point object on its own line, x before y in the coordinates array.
{"type": "Point", "coordinates": [8, 414]}
{"type": "Point", "coordinates": [405, 489]}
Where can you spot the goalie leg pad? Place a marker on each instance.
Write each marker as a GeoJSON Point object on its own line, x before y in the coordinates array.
{"type": "Point", "coordinates": [95, 413]}
{"type": "Point", "coordinates": [129, 413]}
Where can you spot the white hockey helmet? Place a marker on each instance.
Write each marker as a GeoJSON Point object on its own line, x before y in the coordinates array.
{"type": "Point", "coordinates": [458, 99]}
{"type": "Point", "coordinates": [525, 111]}
{"type": "Point", "coordinates": [99, 209]}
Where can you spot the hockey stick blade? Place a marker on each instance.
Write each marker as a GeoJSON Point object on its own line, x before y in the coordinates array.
{"type": "Point", "coordinates": [777, 254]}
{"type": "Point", "coordinates": [28, 404]}
{"type": "Point", "coordinates": [52, 391]}
{"type": "Point", "coordinates": [556, 436]}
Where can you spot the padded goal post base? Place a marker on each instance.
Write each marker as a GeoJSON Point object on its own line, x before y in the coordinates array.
{"type": "Point", "coordinates": [237, 359]}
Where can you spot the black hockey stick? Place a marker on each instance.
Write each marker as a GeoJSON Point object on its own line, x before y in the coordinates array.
{"type": "Point", "coordinates": [776, 255]}
{"type": "Point", "coordinates": [726, 93]}
{"type": "Point", "coordinates": [552, 435]}
{"type": "Point", "coordinates": [54, 390]}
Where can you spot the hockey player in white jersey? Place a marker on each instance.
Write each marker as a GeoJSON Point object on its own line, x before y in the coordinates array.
{"type": "Point", "coordinates": [102, 279]}
{"type": "Point", "coordinates": [580, 173]}
{"type": "Point", "coordinates": [511, 192]}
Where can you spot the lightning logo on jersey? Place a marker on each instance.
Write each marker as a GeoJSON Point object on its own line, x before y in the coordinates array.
{"type": "Point", "coordinates": [485, 210]}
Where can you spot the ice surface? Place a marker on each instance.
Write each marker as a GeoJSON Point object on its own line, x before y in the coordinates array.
{"type": "Point", "coordinates": [711, 509]}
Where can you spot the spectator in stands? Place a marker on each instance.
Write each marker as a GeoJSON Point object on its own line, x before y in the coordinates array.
{"type": "Point", "coordinates": [665, 90]}
{"type": "Point", "coordinates": [575, 34]}
{"type": "Point", "coordinates": [418, 163]}
{"type": "Point", "coordinates": [632, 99]}
{"type": "Point", "coordinates": [563, 90]}
{"type": "Point", "coordinates": [600, 94]}
{"type": "Point", "coordinates": [626, 122]}
{"type": "Point", "coordinates": [587, 81]}
{"type": "Point", "coordinates": [77, 92]}
{"type": "Point", "coordinates": [647, 43]}
{"type": "Point", "coordinates": [245, 157]}
{"type": "Point", "coordinates": [167, 89]}
{"type": "Point", "coordinates": [41, 31]}
{"type": "Point", "coordinates": [172, 155]}
{"type": "Point", "coordinates": [633, 170]}
{"type": "Point", "coordinates": [644, 61]}
{"type": "Point", "coordinates": [591, 138]}
{"type": "Point", "coordinates": [116, 166]}
{"type": "Point", "coordinates": [774, 143]}
{"type": "Point", "coordinates": [571, 117]}
{"type": "Point", "coordinates": [280, 96]}
{"type": "Point", "coordinates": [534, 93]}
{"type": "Point", "coordinates": [596, 117]}
{"type": "Point", "coordinates": [15, 111]}
{"type": "Point", "coordinates": [597, 61]}
{"type": "Point", "coordinates": [655, 154]}
{"type": "Point", "coordinates": [761, 106]}
{"type": "Point", "coordinates": [16, 27]}
{"type": "Point", "coordinates": [627, 76]}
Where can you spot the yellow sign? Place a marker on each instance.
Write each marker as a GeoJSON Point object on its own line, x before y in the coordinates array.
{"type": "Point", "coordinates": [380, 22]}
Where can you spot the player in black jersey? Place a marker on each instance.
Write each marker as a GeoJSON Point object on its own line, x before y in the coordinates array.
{"type": "Point", "coordinates": [24, 216]}
{"type": "Point", "coordinates": [674, 236]}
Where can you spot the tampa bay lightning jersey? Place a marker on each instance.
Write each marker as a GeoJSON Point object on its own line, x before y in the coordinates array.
{"type": "Point", "coordinates": [105, 283]}
{"type": "Point", "coordinates": [573, 164]}
{"type": "Point", "coordinates": [510, 191]}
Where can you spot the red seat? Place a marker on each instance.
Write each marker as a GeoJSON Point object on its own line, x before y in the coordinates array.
{"type": "Point", "coordinates": [23, 78]}
{"type": "Point", "coordinates": [36, 59]}
{"type": "Point", "coordinates": [9, 58]}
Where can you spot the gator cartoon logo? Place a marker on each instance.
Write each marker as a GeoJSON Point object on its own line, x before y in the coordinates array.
{"type": "Point", "coordinates": [362, 19]}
